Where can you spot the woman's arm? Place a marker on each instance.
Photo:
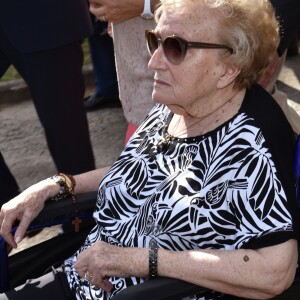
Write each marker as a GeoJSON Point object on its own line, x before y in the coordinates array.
{"type": "Point", "coordinates": [89, 181]}
{"type": "Point", "coordinates": [26, 206]}
{"type": "Point", "coordinates": [256, 274]}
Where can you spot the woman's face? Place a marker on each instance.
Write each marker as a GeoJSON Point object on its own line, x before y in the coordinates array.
{"type": "Point", "coordinates": [186, 87]}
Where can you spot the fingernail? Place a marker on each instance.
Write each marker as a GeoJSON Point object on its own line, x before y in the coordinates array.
{"type": "Point", "coordinates": [18, 240]}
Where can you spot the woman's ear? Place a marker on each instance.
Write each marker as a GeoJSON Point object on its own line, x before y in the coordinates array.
{"type": "Point", "coordinates": [229, 75]}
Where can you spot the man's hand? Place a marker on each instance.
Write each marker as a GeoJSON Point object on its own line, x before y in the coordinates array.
{"type": "Point", "coordinates": [116, 10]}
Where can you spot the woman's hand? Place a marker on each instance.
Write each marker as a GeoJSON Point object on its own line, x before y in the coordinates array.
{"type": "Point", "coordinates": [24, 208]}
{"type": "Point", "coordinates": [102, 261]}
{"type": "Point", "coordinates": [116, 10]}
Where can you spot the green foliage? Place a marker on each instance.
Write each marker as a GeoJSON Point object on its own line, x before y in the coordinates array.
{"type": "Point", "coordinates": [10, 74]}
{"type": "Point", "coordinates": [86, 52]}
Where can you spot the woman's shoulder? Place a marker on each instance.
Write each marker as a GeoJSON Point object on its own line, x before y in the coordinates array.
{"type": "Point", "coordinates": [265, 111]}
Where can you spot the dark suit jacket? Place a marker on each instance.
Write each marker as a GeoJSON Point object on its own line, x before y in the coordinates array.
{"type": "Point", "coordinates": [288, 13]}
{"type": "Point", "coordinates": [34, 25]}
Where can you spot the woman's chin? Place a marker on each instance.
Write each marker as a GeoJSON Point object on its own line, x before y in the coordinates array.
{"type": "Point", "coordinates": [175, 108]}
{"type": "Point", "coordinates": [157, 99]}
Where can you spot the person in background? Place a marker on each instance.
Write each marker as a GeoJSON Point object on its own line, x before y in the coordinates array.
{"type": "Point", "coordinates": [42, 40]}
{"type": "Point", "coordinates": [131, 18]}
{"type": "Point", "coordinates": [204, 189]}
{"type": "Point", "coordinates": [288, 14]}
{"type": "Point", "coordinates": [129, 21]}
{"type": "Point", "coordinates": [293, 49]}
{"type": "Point", "coordinates": [101, 47]}
{"type": "Point", "coordinates": [9, 186]}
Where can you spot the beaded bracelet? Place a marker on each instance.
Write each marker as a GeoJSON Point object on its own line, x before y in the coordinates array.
{"type": "Point", "coordinates": [153, 250]}
{"type": "Point", "coordinates": [67, 185]}
{"type": "Point", "coordinates": [62, 187]}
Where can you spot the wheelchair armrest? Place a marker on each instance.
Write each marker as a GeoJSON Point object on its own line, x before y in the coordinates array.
{"type": "Point", "coordinates": [161, 288]}
{"type": "Point", "coordinates": [55, 211]}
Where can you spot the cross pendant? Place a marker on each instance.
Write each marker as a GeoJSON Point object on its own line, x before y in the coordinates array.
{"type": "Point", "coordinates": [76, 222]}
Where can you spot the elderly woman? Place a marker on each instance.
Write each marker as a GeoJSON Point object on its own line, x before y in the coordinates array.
{"type": "Point", "coordinates": [205, 186]}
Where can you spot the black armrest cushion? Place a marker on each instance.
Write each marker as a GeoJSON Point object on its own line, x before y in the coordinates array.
{"type": "Point", "coordinates": [161, 288]}
{"type": "Point", "coordinates": [55, 210]}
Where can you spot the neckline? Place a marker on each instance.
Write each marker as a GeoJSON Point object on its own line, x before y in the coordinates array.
{"type": "Point", "coordinates": [164, 130]}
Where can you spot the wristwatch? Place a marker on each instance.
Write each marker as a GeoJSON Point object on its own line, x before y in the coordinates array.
{"type": "Point", "coordinates": [147, 13]}
{"type": "Point", "coordinates": [62, 187]}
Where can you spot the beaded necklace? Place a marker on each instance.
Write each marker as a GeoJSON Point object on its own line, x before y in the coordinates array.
{"type": "Point", "coordinates": [163, 145]}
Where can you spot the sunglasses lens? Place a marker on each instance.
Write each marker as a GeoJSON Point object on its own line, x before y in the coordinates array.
{"type": "Point", "coordinates": [173, 50]}
{"type": "Point", "coordinates": [152, 42]}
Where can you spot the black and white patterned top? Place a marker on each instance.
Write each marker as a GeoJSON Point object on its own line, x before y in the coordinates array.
{"type": "Point", "coordinates": [227, 189]}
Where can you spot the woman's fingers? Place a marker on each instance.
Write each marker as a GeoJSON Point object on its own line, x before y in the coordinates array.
{"type": "Point", "coordinates": [5, 229]}
{"type": "Point", "coordinates": [88, 269]}
{"type": "Point", "coordinates": [95, 279]}
{"type": "Point", "coordinates": [101, 283]}
{"type": "Point", "coordinates": [23, 226]}
{"type": "Point", "coordinates": [24, 208]}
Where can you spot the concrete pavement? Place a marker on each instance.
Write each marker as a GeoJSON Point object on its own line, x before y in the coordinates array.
{"type": "Point", "coordinates": [22, 139]}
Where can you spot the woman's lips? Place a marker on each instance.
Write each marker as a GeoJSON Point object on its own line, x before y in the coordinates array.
{"type": "Point", "coordinates": [159, 82]}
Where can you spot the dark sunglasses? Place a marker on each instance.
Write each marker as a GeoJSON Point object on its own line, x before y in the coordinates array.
{"type": "Point", "coordinates": [175, 47]}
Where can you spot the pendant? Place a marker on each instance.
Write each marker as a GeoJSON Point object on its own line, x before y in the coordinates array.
{"type": "Point", "coordinates": [163, 145]}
